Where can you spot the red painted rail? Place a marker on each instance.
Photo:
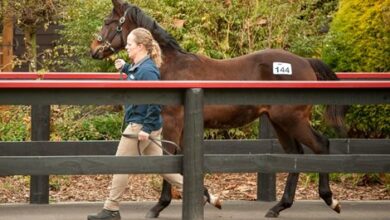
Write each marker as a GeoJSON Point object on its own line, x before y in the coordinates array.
{"type": "Point", "coordinates": [60, 75]}
{"type": "Point", "coordinates": [116, 76]}
{"type": "Point", "coordinates": [365, 75]}
{"type": "Point", "coordinates": [111, 80]}
{"type": "Point", "coordinates": [113, 84]}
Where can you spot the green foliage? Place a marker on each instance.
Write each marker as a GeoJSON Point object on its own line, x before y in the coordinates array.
{"type": "Point", "coordinates": [249, 131]}
{"type": "Point", "coordinates": [361, 121]}
{"type": "Point", "coordinates": [55, 182]}
{"type": "Point", "coordinates": [369, 121]}
{"type": "Point", "coordinates": [221, 30]}
{"type": "Point", "coordinates": [319, 123]}
{"type": "Point", "coordinates": [86, 123]}
{"type": "Point", "coordinates": [82, 20]}
{"type": "Point", "coordinates": [67, 123]}
{"type": "Point", "coordinates": [15, 123]}
{"type": "Point", "coordinates": [359, 38]}
{"type": "Point", "coordinates": [214, 28]}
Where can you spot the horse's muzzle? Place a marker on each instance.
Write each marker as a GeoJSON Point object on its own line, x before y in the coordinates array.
{"type": "Point", "coordinates": [97, 53]}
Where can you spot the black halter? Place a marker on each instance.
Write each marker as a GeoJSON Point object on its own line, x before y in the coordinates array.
{"type": "Point", "coordinates": [107, 42]}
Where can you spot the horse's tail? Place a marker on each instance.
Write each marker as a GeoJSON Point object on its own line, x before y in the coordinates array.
{"type": "Point", "coordinates": [334, 114]}
{"type": "Point", "coordinates": [323, 71]}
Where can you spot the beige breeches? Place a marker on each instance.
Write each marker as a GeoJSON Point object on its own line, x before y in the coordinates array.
{"type": "Point", "coordinates": [128, 147]}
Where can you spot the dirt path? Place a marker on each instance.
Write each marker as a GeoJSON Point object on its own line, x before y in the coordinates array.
{"type": "Point", "coordinates": [14, 189]}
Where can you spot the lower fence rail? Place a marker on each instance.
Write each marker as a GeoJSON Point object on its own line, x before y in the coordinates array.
{"type": "Point", "coordinates": [225, 163]}
{"type": "Point", "coordinates": [23, 158]}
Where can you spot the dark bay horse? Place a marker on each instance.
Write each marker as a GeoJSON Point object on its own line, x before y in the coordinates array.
{"type": "Point", "coordinates": [291, 122]}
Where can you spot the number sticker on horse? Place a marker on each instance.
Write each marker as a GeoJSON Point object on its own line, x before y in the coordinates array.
{"type": "Point", "coordinates": [282, 68]}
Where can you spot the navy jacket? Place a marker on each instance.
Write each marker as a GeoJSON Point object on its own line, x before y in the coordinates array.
{"type": "Point", "coordinates": [147, 115]}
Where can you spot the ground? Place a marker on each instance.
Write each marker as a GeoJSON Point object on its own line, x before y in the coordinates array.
{"type": "Point", "coordinates": [14, 189]}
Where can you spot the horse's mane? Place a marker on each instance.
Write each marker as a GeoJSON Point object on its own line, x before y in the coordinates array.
{"type": "Point", "coordinates": [161, 35]}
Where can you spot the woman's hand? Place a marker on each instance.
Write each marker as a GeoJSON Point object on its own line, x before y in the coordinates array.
{"type": "Point", "coordinates": [143, 136]}
{"type": "Point", "coordinates": [119, 63]}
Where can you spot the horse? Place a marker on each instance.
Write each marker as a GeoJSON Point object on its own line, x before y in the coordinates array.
{"type": "Point", "coordinates": [291, 123]}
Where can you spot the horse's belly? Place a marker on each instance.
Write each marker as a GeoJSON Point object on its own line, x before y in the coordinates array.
{"type": "Point", "coordinates": [230, 116]}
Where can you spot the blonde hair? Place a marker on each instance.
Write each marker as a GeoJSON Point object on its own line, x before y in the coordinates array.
{"type": "Point", "coordinates": [144, 37]}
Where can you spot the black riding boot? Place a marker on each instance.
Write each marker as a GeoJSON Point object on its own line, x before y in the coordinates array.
{"type": "Point", "coordinates": [106, 215]}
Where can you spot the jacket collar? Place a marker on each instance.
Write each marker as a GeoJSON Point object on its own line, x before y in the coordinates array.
{"type": "Point", "coordinates": [134, 67]}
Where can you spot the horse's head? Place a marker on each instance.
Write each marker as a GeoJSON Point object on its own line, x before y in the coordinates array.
{"type": "Point", "coordinates": [113, 34]}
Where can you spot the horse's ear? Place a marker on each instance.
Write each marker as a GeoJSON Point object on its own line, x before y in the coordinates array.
{"type": "Point", "coordinates": [118, 3]}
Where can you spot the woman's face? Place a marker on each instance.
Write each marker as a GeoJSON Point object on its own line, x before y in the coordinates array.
{"type": "Point", "coordinates": [132, 48]}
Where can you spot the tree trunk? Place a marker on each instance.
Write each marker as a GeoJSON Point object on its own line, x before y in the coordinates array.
{"type": "Point", "coordinates": [30, 40]}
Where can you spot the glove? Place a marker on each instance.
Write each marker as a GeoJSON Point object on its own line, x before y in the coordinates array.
{"type": "Point", "coordinates": [119, 63]}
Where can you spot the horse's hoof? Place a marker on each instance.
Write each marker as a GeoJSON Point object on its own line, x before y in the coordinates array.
{"type": "Point", "coordinates": [214, 201]}
{"type": "Point", "coordinates": [336, 206]}
{"type": "Point", "coordinates": [218, 204]}
{"type": "Point", "coordinates": [152, 214]}
{"type": "Point", "coordinates": [271, 214]}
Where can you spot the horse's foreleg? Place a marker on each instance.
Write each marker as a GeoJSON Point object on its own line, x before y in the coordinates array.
{"type": "Point", "coordinates": [163, 202]}
{"type": "Point", "coordinates": [172, 131]}
{"type": "Point", "coordinates": [288, 196]}
{"type": "Point", "coordinates": [323, 186]}
{"type": "Point", "coordinates": [326, 193]}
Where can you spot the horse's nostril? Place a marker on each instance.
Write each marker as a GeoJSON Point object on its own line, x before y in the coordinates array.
{"type": "Point", "coordinates": [95, 54]}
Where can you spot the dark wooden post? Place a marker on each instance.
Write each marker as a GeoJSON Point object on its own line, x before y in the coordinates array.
{"type": "Point", "coordinates": [266, 182]}
{"type": "Point", "coordinates": [193, 156]}
{"type": "Point", "coordinates": [40, 131]}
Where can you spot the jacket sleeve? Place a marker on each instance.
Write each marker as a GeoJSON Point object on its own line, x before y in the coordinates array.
{"type": "Point", "coordinates": [125, 68]}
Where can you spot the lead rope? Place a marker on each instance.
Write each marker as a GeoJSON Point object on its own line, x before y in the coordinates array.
{"type": "Point", "coordinates": [155, 141]}
{"type": "Point", "coordinates": [124, 116]}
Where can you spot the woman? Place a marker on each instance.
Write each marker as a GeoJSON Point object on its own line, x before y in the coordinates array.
{"type": "Point", "coordinates": [143, 120]}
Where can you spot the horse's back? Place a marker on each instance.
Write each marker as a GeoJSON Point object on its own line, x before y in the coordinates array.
{"type": "Point", "coordinates": [277, 64]}
{"type": "Point", "coordinates": [268, 64]}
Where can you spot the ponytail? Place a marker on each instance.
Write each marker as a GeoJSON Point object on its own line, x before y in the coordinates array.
{"type": "Point", "coordinates": [155, 53]}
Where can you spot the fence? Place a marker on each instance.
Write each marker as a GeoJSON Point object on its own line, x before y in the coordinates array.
{"type": "Point", "coordinates": [33, 158]}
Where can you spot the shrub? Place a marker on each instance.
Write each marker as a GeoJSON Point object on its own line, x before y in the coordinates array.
{"type": "Point", "coordinates": [86, 123]}
{"type": "Point", "coordinates": [369, 121]}
{"type": "Point", "coordinates": [15, 123]}
{"type": "Point", "coordinates": [359, 38]}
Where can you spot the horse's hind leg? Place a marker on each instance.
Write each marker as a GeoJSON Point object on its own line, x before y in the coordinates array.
{"type": "Point", "coordinates": [319, 144]}
{"type": "Point", "coordinates": [326, 193]}
{"type": "Point", "coordinates": [290, 146]}
{"type": "Point", "coordinates": [324, 188]}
